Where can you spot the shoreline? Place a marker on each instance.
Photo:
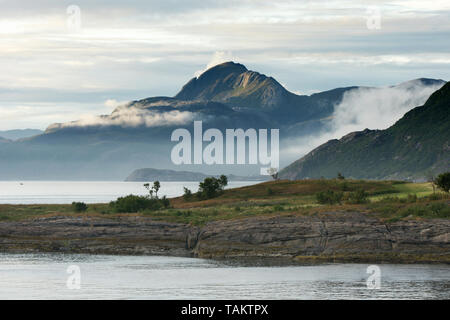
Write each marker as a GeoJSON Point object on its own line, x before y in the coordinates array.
{"type": "Point", "coordinates": [331, 237]}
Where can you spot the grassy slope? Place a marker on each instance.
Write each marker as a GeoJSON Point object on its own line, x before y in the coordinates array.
{"type": "Point", "coordinates": [389, 200]}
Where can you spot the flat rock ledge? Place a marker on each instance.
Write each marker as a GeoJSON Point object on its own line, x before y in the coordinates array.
{"type": "Point", "coordinates": [329, 237]}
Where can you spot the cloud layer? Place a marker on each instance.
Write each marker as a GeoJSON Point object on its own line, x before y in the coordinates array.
{"type": "Point", "coordinates": [371, 108]}
{"type": "Point", "coordinates": [378, 108]}
{"type": "Point", "coordinates": [125, 116]}
{"type": "Point", "coordinates": [127, 50]}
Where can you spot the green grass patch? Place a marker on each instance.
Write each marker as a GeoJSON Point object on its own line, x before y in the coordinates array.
{"type": "Point", "coordinates": [388, 200]}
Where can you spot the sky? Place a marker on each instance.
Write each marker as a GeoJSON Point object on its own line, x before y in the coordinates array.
{"type": "Point", "coordinates": [65, 60]}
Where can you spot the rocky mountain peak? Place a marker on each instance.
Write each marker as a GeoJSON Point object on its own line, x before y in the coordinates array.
{"type": "Point", "coordinates": [232, 83]}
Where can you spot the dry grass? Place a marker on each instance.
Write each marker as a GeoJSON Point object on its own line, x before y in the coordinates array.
{"type": "Point", "coordinates": [388, 200]}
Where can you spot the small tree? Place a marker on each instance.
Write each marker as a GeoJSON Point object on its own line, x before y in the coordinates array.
{"type": "Point", "coordinates": [165, 202]}
{"type": "Point", "coordinates": [156, 187]}
{"type": "Point", "coordinates": [187, 194]}
{"type": "Point", "coordinates": [211, 187]}
{"type": "Point", "coordinates": [223, 181]}
{"type": "Point", "coordinates": [340, 176]}
{"type": "Point", "coordinates": [443, 181]}
{"type": "Point", "coordinates": [431, 179]}
{"type": "Point", "coordinates": [150, 190]}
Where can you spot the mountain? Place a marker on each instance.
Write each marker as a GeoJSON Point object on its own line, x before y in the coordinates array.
{"type": "Point", "coordinates": [19, 133]}
{"type": "Point", "coordinates": [232, 84]}
{"type": "Point", "coordinates": [415, 145]}
{"type": "Point", "coordinates": [138, 134]}
{"type": "Point", "coordinates": [150, 174]}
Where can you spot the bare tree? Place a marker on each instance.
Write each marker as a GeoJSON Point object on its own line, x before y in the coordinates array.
{"type": "Point", "coordinates": [273, 173]}
{"type": "Point", "coordinates": [431, 178]}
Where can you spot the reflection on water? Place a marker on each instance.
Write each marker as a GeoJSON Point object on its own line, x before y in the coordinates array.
{"type": "Point", "coordinates": [44, 192]}
{"type": "Point", "coordinates": [44, 276]}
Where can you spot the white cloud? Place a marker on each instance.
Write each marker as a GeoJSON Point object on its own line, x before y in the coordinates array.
{"type": "Point", "coordinates": [329, 59]}
{"type": "Point", "coordinates": [154, 46]}
{"type": "Point", "coordinates": [371, 108]}
{"type": "Point", "coordinates": [125, 116]}
{"type": "Point", "coordinates": [113, 103]}
{"type": "Point", "coordinates": [39, 115]}
{"type": "Point", "coordinates": [217, 58]}
{"type": "Point", "coordinates": [378, 108]}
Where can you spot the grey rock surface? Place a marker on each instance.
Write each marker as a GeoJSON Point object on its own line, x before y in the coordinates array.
{"type": "Point", "coordinates": [333, 236]}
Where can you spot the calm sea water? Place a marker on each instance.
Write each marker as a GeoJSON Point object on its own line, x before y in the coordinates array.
{"type": "Point", "coordinates": [45, 276]}
{"type": "Point", "coordinates": [41, 192]}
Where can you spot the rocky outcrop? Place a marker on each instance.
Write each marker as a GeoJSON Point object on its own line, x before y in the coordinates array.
{"type": "Point", "coordinates": [333, 236]}
{"type": "Point", "coordinates": [128, 235]}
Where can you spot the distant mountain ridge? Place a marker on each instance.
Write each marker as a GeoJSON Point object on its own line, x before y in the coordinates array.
{"type": "Point", "coordinates": [137, 134]}
{"type": "Point", "coordinates": [19, 133]}
{"type": "Point", "coordinates": [151, 174]}
{"type": "Point", "coordinates": [415, 145]}
{"type": "Point", "coordinates": [229, 93]}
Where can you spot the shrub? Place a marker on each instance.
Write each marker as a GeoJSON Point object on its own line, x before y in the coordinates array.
{"type": "Point", "coordinates": [436, 210]}
{"type": "Point", "coordinates": [390, 199]}
{"type": "Point", "coordinates": [441, 210]}
{"type": "Point", "coordinates": [165, 202]}
{"type": "Point", "coordinates": [345, 186]}
{"type": "Point", "coordinates": [443, 181]}
{"type": "Point", "coordinates": [180, 213]}
{"type": "Point", "coordinates": [357, 197]}
{"type": "Point", "coordinates": [4, 217]}
{"type": "Point", "coordinates": [329, 197]}
{"type": "Point", "coordinates": [437, 196]}
{"type": "Point", "coordinates": [418, 211]}
{"type": "Point", "coordinates": [270, 191]}
{"type": "Point", "coordinates": [79, 206]}
{"type": "Point", "coordinates": [223, 181]}
{"type": "Point", "coordinates": [278, 208]}
{"type": "Point", "coordinates": [412, 198]}
{"type": "Point", "coordinates": [132, 203]}
{"type": "Point", "coordinates": [211, 187]}
{"type": "Point", "coordinates": [187, 195]}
